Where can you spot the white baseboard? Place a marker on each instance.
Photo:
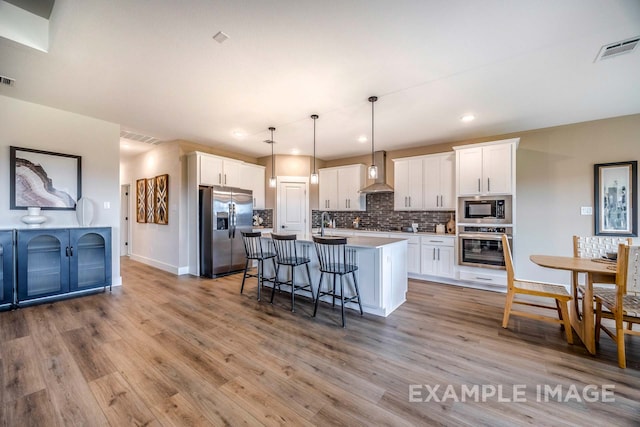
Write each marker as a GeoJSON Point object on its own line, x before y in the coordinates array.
{"type": "Point", "coordinates": [160, 265]}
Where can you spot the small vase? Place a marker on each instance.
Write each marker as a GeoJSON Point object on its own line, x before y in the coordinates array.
{"type": "Point", "coordinates": [451, 225]}
{"type": "Point", "coordinates": [33, 219]}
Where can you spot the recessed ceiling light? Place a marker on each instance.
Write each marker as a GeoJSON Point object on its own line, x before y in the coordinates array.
{"type": "Point", "coordinates": [220, 37]}
{"type": "Point", "coordinates": [238, 134]}
{"type": "Point", "coordinates": [295, 151]}
{"type": "Point", "coordinates": [362, 138]}
{"type": "Point", "coordinates": [467, 118]}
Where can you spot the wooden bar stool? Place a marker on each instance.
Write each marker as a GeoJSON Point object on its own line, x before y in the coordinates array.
{"type": "Point", "coordinates": [253, 248]}
{"type": "Point", "coordinates": [287, 255]}
{"type": "Point", "coordinates": [335, 258]}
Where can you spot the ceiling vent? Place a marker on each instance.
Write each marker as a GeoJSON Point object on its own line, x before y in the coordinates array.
{"type": "Point", "coordinates": [7, 81]}
{"type": "Point", "coordinates": [141, 138]}
{"type": "Point", "coordinates": [618, 48]}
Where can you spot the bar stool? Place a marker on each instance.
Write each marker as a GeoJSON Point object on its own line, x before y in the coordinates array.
{"type": "Point", "coordinates": [336, 259]}
{"type": "Point", "coordinates": [253, 248]}
{"type": "Point", "coordinates": [287, 255]}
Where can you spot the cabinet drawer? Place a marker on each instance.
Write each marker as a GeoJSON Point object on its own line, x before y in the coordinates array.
{"type": "Point", "coordinates": [491, 279]}
{"type": "Point", "coordinates": [439, 241]}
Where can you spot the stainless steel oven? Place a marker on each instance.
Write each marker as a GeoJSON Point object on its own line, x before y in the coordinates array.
{"type": "Point", "coordinates": [485, 209]}
{"type": "Point", "coordinates": [482, 246]}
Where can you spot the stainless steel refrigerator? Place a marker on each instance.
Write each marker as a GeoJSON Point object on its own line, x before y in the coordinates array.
{"type": "Point", "coordinates": [225, 212]}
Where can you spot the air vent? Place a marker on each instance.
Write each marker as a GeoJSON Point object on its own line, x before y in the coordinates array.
{"type": "Point", "coordinates": [141, 138]}
{"type": "Point", "coordinates": [7, 81]}
{"type": "Point", "coordinates": [618, 48]}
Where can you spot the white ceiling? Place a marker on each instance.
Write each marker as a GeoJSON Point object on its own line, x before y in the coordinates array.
{"type": "Point", "coordinates": [154, 68]}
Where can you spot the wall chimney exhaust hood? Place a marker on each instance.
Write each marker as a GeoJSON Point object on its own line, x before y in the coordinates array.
{"type": "Point", "coordinates": [380, 185]}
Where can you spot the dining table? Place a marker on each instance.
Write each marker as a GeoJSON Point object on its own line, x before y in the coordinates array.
{"type": "Point", "coordinates": [597, 270]}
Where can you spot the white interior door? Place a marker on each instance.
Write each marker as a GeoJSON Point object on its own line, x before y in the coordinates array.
{"type": "Point", "coordinates": [292, 207]}
{"type": "Point", "coordinates": [124, 220]}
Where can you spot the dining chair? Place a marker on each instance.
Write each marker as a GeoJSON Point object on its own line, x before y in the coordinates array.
{"type": "Point", "coordinates": [594, 247]}
{"type": "Point", "coordinates": [546, 290]}
{"type": "Point", "coordinates": [287, 255]}
{"type": "Point", "coordinates": [338, 260]}
{"type": "Point", "coordinates": [624, 303]}
{"type": "Point", "coordinates": [255, 252]}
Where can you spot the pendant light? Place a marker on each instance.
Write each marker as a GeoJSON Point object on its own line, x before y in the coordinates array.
{"type": "Point", "coordinates": [372, 172]}
{"type": "Point", "coordinates": [272, 180]}
{"type": "Point", "coordinates": [314, 173]}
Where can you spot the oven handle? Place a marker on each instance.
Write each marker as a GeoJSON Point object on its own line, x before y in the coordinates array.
{"type": "Point", "coordinates": [483, 236]}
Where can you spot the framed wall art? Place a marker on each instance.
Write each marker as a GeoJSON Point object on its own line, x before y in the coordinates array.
{"type": "Point", "coordinates": [162, 199]}
{"type": "Point", "coordinates": [44, 179]}
{"type": "Point", "coordinates": [616, 200]}
{"type": "Point", "coordinates": [141, 200]}
{"type": "Point", "coordinates": [151, 198]}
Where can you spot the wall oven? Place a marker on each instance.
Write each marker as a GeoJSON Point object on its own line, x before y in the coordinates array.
{"type": "Point", "coordinates": [485, 210]}
{"type": "Point", "coordinates": [482, 246]}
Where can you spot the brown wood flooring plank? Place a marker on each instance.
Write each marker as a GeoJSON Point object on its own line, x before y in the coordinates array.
{"type": "Point", "coordinates": [120, 403]}
{"type": "Point", "coordinates": [12, 326]}
{"type": "Point", "coordinates": [177, 411]}
{"type": "Point", "coordinates": [21, 371]}
{"type": "Point", "coordinates": [88, 356]}
{"type": "Point", "coordinates": [34, 409]}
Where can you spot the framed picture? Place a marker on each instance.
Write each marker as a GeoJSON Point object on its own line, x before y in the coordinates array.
{"type": "Point", "coordinates": [141, 200]}
{"type": "Point", "coordinates": [44, 179]}
{"type": "Point", "coordinates": [151, 196]}
{"type": "Point", "coordinates": [162, 199]}
{"type": "Point", "coordinates": [616, 200]}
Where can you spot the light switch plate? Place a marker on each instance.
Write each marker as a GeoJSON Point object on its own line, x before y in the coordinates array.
{"type": "Point", "coordinates": [586, 210]}
{"type": "Point", "coordinates": [107, 205]}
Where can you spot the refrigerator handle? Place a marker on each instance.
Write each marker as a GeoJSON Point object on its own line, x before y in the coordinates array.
{"type": "Point", "coordinates": [233, 219]}
{"type": "Point", "coordinates": [230, 220]}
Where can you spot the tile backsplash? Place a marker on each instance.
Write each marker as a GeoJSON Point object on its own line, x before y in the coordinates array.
{"type": "Point", "coordinates": [266, 215]}
{"type": "Point", "coordinates": [380, 215]}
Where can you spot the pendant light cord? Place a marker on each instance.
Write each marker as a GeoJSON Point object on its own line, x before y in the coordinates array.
{"type": "Point", "coordinates": [273, 170]}
{"type": "Point", "coordinates": [372, 100]}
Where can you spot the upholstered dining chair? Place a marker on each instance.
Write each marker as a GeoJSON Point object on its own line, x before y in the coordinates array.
{"type": "Point", "coordinates": [624, 302]}
{"type": "Point", "coordinates": [546, 290]}
{"type": "Point", "coordinates": [594, 247]}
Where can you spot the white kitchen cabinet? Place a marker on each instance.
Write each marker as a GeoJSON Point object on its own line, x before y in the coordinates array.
{"type": "Point", "coordinates": [339, 188]}
{"type": "Point", "coordinates": [437, 256]}
{"type": "Point", "coordinates": [439, 181]}
{"type": "Point", "coordinates": [253, 178]}
{"type": "Point", "coordinates": [220, 171]}
{"type": "Point", "coordinates": [408, 179]}
{"type": "Point", "coordinates": [486, 168]}
{"type": "Point", "coordinates": [328, 189]}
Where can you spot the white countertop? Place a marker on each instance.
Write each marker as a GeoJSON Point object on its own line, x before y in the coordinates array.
{"type": "Point", "coordinates": [354, 241]}
{"type": "Point", "coordinates": [359, 230]}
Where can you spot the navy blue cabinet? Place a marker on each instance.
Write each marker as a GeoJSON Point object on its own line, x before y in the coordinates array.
{"type": "Point", "coordinates": [54, 263]}
{"type": "Point", "coordinates": [6, 268]}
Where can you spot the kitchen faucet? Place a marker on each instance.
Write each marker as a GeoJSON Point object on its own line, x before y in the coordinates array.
{"type": "Point", "coordinates": [322, 222]}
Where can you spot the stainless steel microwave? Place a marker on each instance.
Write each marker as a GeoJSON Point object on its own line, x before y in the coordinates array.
{"type": "Point", "coordinates": [485, 209]}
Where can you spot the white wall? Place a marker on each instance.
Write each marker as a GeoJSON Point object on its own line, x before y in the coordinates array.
{"type": "Point", "coordinates": [27, 125]}
{"type": "Point", "coordinates": [159, 245]}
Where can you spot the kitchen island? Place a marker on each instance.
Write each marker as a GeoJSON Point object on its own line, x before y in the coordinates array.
{"type": "Point", "coordinates": [381, 274]}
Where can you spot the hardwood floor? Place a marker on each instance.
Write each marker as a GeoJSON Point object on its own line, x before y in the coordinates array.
{"type": "Point", "coordinates": [185, 351]}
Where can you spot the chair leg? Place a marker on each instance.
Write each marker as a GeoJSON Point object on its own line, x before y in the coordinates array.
{"type": "Point", "coordinates": [333, 296]}
{"type": "Point", "coordinates": [564, 316]}
{"type": "Point", "coordinates": [315, 308]}
{"type": "Point", "coordinates": [576, 294]}
{"type": "Point", "coordinates": [598, 321]}
{"type": "Point", "coordinates": [559, 310]}
{"type": "Point", "coordinates": [293, 289]}
{"type": "Point", "coordinates": [622, 362]}
{"type": "Point", "coordinates": [244, 276]}
{"type": "Point", "coordinates": [275, 283]}
{"type": "Point", "coordinates": [355, 283]}
{"type": "Point", "coordinates": [507, 308]}
{"type": "Point", "coordinates": [342, 298]}
{"type": "Point", "coordinates": [260, 276]}
{"type": "Point", "coordinates": [313, 298]}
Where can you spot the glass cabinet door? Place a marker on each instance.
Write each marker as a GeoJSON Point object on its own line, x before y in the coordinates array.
{"type": "Point", "coordinates": [91, 260]}
{"type": "Point", "coordinates": [6, 267]}
{"type": "Point", "coordinates": [43, 263]}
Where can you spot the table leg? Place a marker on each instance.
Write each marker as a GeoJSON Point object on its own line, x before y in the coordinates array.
{"type": "Point", "coordinates": [588, 323]}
